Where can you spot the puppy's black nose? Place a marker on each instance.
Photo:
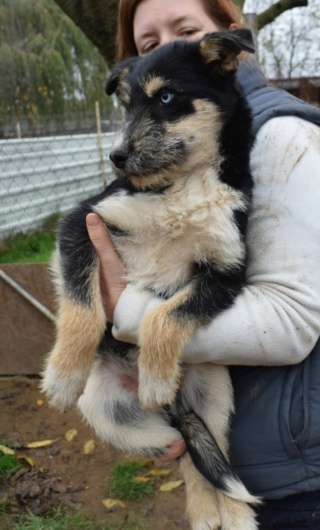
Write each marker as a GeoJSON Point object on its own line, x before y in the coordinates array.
{"type": "Point", "coordinates": [119, 157]}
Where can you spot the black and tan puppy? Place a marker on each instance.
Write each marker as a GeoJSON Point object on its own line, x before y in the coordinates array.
{"type": "Point", "coordinates": [177, 216]}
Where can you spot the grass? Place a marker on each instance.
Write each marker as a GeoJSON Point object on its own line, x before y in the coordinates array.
{"type": "Point", "coordinates": [31, 248]}
{"type": "Point", "coordinates": [124, 484]}
{"type": "Point", "coordinates": [8, 464]}
{"type": "Point", "coordinates": [61, 519]}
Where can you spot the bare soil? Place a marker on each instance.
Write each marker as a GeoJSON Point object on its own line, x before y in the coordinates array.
{"type": "Point", "coordinates": [61, 473]}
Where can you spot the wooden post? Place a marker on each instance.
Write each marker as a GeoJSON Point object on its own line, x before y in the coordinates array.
{"type": "Point", "coordinates": [100, 146]}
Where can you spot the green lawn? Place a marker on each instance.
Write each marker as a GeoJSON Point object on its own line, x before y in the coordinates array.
{"type": "Point", "coordinates": [30, 248]}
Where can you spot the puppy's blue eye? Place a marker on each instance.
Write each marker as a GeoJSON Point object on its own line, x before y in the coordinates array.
{"type": "Point", "coordinates": [166, 97]}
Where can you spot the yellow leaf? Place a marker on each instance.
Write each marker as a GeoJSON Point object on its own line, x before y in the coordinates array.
{"type": "Point", "coordinates": [6, 450]}
{"type": "Point", "coordinates": [141, 479]}
{"type": "Point", "coordinates": [29, 460]}
{"type": "Point", "coordinates": [113, 503]}
{"type": "Point", "coordinates": [39, 402]}
{"type": "Point", "coordinates": [89, 447]}
{"type": "Point", "coordinates": [71, 434]}
{"type": "Point", "coordinates": [173, 484]}
{"type": "Point", "coordinates": [41, 443]}
{"type": "Point", "coordinates": [158, 472]}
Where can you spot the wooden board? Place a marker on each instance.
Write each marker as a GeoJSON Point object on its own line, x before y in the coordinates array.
{"type": "Point", "coordinates": [26, 335]}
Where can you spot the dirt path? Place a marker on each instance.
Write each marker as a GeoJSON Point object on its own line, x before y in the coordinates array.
{"type": "Point", "coordinates": [62, 473]}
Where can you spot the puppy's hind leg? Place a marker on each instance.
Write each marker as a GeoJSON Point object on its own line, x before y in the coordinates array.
{"type": "Point", "coordinates": [80, 326]}
{"type": "Point", "coordinates": [209, 391]}
{"type": "Point", "coordinates": [201, 499]}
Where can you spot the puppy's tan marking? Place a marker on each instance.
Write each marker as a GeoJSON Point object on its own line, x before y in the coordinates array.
{"type": "Point", "coordinates": [213, 50]}
{"type": "Point", "coordinates": [80, 330]}
{"type": "Point", "coordinates": [202, 505]}
{"type": "Point", "coordinates": [152, 84]}
{"type": "Point", "coordinates": [210, 51]}
{"type": "Point", "coordinates": [162, 336]}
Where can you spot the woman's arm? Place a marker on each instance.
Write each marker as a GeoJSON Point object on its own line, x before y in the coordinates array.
{"type": "Point", "coordinates": [276, 318]}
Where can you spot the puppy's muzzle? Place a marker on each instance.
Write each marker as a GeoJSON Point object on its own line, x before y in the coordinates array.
{"type": "Point", "coordinates": [119, 157]}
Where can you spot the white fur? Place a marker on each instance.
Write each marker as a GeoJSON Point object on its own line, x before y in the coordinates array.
{"type": "Point", "coordinates": [96, 404]}
{"type": "Point", "coordinates": [155, 392]}
{"type": "Point", "coordinates": [63, 392]}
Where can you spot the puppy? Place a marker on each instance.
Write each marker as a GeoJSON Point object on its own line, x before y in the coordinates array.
{"type": "Point", "coordinates": [177, 215]}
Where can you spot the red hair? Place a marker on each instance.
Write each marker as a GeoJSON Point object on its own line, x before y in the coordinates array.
{"type": "Point", "coordinates": [223, 13]}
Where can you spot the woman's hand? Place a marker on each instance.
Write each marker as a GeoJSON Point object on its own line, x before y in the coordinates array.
{"type": "Point", "coordinates": [111, 269]}
{"type": "Point", "coordinates": [174, 451]}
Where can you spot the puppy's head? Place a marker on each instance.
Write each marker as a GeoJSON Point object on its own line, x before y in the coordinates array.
{"type": "Point", "coordinates": [177, 101]}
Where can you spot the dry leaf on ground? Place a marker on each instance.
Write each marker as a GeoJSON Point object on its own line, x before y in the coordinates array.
{"type": "Point", "coordinates": [171, 485]}
{"type": "Point", "coordinates": [27, 459]}
{"type": "Point", "coordinates": [158, 473]}
{"type": "Point", "coordinates": [6, 450]}
{"type": "Point", "coordinates": [113, 503]}
{"type": "Point", "coordinates": [70, 434]}
{"type": "Point", "coordinates": [41, 443]}
{"type": "Point", "coordinates": [89, 447]}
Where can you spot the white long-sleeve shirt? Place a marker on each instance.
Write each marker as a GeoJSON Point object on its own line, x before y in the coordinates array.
{"type": "Point", "coordinates": [276, 318]}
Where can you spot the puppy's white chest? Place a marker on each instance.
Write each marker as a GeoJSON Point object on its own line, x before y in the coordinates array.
{"type": "Point", "coordinates": [158, 242]}
{"type": "Point", "coordinates": [161, 236]}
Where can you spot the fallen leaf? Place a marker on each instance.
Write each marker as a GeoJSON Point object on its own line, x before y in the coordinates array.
{"type": "Point", "coordinates": [6, 450]}
{"type": "Point", "coordinates": [39, 402]}
{"type": "Point", "coordinates": [89, 447]}
{"type": "Point", "coordinates": [70, 434]}
{"type": "Point", "coordinates": [171, 485]}
{"type": "Point", "coordinates": [158, 472]}
{"type": "Point", "coordinates": [29, 460]}
{"type": "Point", "coordinates": [113, 503]}
{"type": "Point", "coordinates": [41, 443]}
{"type": "Point", "coordinates": [141, 479]}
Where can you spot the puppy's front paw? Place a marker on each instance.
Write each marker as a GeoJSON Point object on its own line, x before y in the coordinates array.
{"type": "Point", "coordinates": [155, 392]}
{"type": "Point", "coordinates": [62, 392]}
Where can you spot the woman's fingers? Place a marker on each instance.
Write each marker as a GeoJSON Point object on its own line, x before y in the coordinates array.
{"type": "Point", "coordinates": [174, 451]}
{"type": "Point", "coordinates": [111, 268]}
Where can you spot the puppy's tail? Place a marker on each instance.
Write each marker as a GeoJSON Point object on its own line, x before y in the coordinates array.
{"type": "Point", "coordinates": [209, 459]}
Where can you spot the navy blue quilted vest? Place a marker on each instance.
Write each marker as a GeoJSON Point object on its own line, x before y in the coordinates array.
{"type": "Point", "coordinates": [275, 433]}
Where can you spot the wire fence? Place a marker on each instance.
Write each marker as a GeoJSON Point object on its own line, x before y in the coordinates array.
{"type": "Point", "coordinates": [44, 175]}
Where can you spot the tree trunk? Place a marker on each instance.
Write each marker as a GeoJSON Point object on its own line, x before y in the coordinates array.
{"type": "Point", "coordinates": [98, 21]}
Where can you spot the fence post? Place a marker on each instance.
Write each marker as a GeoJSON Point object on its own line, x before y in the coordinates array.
{"type": "Point", "coordinates": [102, 165]}
{"type": "Point", "coordinates": [18, 129]}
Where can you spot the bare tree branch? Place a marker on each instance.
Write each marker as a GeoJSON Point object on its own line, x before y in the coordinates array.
{"type": "Point", "coordinates": [270, 14]}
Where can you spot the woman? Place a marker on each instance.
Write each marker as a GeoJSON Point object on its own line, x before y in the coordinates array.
{"type": "Point", "coordinates": [270, 336]}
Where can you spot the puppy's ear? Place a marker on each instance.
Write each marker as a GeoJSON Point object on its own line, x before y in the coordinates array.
{"type": "Point", "coordinates": [116, 80]}
{"type": "Point", "coordinates": [223, 47]}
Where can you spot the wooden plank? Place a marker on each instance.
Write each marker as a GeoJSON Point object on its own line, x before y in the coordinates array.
{"type": "Point", "coordinates": [26, 335]}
